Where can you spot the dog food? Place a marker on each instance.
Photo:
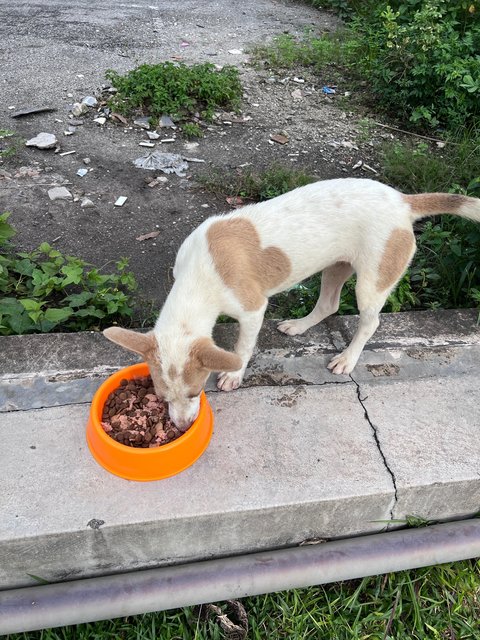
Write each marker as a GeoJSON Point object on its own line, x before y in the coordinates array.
{"type": "Point", "coordinates": [134, 416]}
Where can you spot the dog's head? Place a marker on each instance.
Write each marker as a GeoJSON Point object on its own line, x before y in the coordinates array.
{"type": "Point", "coordinates": [179, 365]}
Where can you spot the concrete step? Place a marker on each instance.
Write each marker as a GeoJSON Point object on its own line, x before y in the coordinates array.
{"type": "Point", "coordinates": [297, 453]}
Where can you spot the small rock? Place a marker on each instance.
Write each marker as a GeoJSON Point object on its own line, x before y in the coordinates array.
{"type": "Point", "coordinates": [78, 109]}
{"type": "Point", "coordinates": [82, 172]}
{"type": "Point", "coordinates": [167, 140]}
{"type": "Point", "coordinates": [349, 145]}
{"type": "Point", "coordinates": [90, 101]}
{"type": "Point", "coordinates": [86, 203]}
{"type": "Point", "coordinates": [42, 141]}
{"type": "Point", "coordinates": [357, 165]}
{"type": "Point", "coordinates": [279, 138]}
{"type": "Point", "coordinates": [166, 121]}
{"type": "Point", "coordinates": [75, 123]}
{"type": "Point", "coordinates": [120, 201]}
{"type": "Point", "coordinates": [100, 120]}
{"type": "Point", "coordinates": [153, 135]}
{"type": "Point", "coordinates": [146, 143]}
{"type": "Point", "coordinates": [59, 193]}
{"type": "Point", "coordinates": [235, 52]}
{"type": "Point", "coordinates": [144, 122]}
{"type": "Point", "coordinates": [86, 161]}
{"type": "Point", "coordinates": [190, 146]}
{"type": "Point", "coordinates": [31, 111]}
{"type": "Point", "coordinates": [69, 132]}
{"type": "Point", "coordinates": [297, 94]}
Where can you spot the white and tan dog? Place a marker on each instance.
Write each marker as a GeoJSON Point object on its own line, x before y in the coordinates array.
{"type": "Point", "coordinates": [232, 263]}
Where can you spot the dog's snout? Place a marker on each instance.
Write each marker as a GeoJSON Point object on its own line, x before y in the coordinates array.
{"type": "Point", "coordinates": [184, 414]}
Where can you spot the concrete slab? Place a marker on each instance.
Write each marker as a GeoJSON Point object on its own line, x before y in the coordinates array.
{"type": "Point", "coordinates": [284, 465]}
{"type": "Point", "coordinates": [429, 433]}
{"type": "Point", "coordinates": [297, 453]}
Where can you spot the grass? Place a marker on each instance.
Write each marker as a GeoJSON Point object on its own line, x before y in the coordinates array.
{"type": "Point", "coordinates": [417, 167]}
{"type": "Point", "coordinates": [256, 186]}
{"type": "Point", "coordinates": [9, 143]}
{"type": "Point", "coordinates": [287, 52]}
{"type": "Point", "coordinates": [424, 604]}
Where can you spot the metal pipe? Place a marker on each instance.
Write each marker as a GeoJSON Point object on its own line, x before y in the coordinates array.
{"type": "Point", "coordinates": [127, 594]}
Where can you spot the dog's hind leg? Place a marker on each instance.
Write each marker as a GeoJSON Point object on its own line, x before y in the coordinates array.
{"type": "Point", "coordinates": [333, 279]}
{"type": "Point", "coordinates": [250, 324]}
{"type": "Point", "coordinates": [372, 290]}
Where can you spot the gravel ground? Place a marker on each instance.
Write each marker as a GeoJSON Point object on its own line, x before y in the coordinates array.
{"type": "Point", "coordinates": [54, 54]}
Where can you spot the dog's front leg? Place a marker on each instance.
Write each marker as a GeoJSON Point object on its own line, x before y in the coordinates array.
{"type": "Point", "coordinates": [250, 325]}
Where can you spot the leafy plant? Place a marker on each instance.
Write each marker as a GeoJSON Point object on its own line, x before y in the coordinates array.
{"type": "Point", "coordinates": [175, 89]}
{"type": "Point", "coordinates": [43, 290]}
{"type": "Point", "coordinates": [192, 130]}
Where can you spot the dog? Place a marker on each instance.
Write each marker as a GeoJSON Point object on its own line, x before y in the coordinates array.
{"type": "Point", "coordinates": [232, 263]}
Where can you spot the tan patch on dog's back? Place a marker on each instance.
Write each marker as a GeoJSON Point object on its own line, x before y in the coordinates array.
{"type": "Point", "coordinates": [398, 251]}
{"type": "Point", "coordinates": [241, 262]}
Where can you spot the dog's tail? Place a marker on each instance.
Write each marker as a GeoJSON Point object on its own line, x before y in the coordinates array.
{"type": "Point", "coordinates": [431, 204]}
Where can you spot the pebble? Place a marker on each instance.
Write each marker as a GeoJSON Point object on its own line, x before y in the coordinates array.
{"type": "Point", "coordinates": [42, 141]}
{"type": "Point", "coordinates": [59, 193]}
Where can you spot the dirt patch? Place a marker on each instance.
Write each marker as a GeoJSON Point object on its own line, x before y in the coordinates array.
{"type": "Point", "coordinates": [385, 369]}
{"type": "Point", "coordinates": [134, 416]}
{"type": "Point", "coordinates": [67, 60]}
{"type": "Point", "coordinates": [289, 399]}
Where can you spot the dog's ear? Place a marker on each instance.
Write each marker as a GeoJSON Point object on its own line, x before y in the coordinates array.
{"type": "Point", "coordinates": [215, 359]}
{"type": "Point", "coordinates": [142, 343]}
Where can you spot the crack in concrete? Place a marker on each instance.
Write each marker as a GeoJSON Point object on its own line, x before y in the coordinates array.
{"type": "Point", "coordinates": [47, 406]}
{"type": "Point", "coordinates": [377, 442]}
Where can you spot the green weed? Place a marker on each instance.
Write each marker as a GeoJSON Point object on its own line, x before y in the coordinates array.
{"type": "Point", "coordinates": [9, 143]}
{"type": "Point", "coordinates": [43, 290]}
{"type": "Point", "coordinates": [192, 130]}
{"type": "Point", "coordinates": [175, 89]}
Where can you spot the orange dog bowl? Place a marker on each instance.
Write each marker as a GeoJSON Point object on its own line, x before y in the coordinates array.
{"type": "Point", "coordinates": [145, 464]}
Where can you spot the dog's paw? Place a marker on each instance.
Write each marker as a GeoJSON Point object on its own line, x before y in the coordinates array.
{"type": "Point", "coordinates": [341, 364]}
{"type": "Point", "coordinates": [228, 381]}
{"type": "Point", "coordinates": [292, 327]}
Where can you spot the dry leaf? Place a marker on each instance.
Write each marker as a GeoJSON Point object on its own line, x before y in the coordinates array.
{"type": "Point", "coordinates": [147, 236]}
{"type": "Point", "coordinates": [120, 118]}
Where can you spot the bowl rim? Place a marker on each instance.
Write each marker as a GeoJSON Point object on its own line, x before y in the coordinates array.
{"type": "Point", "coordinates": [113, 382]}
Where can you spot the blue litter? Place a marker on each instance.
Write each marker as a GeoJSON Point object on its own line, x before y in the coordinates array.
{"type": "Point", "coordinates": [328, 90]}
